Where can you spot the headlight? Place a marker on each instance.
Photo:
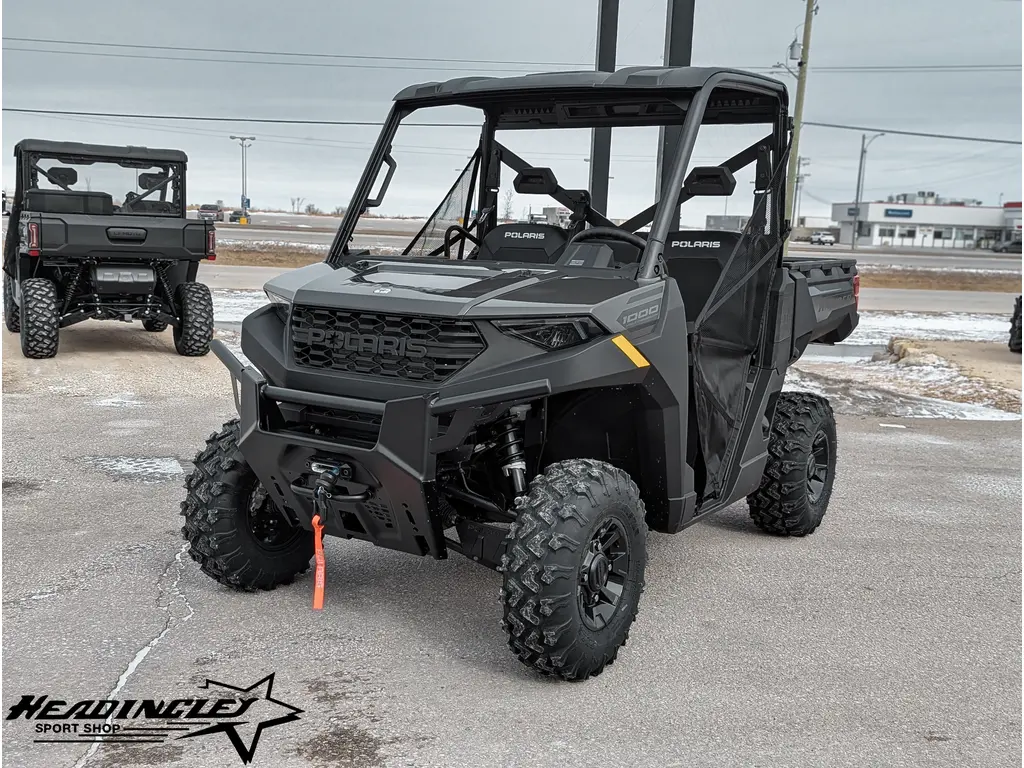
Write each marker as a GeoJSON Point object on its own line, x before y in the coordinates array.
{"type": "Point", "coordinates": [556, 333]}
{"type": "Point", "coordinates": [281, 305]}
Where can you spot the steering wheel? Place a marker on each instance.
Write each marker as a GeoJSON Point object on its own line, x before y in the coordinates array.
{"type": "Point", "coordinates": [609, 233]}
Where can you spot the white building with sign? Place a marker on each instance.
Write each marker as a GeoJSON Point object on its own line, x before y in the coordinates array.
{"type": "Point", "coordinates": [928, 224]}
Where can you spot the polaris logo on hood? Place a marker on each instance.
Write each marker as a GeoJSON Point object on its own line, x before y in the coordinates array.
{"type": "Point", "coordinates": [696, 244]}
{"type": "Point", "coordinates": [525, 235]}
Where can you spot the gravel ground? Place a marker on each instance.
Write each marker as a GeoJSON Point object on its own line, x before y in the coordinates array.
{"type": "Point", "coordinates": [890, 637]}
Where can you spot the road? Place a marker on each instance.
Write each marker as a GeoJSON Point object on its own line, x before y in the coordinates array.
{"type": "Point", "coordinates": [890, 636]}
{"type": "Point", "coordinates": [398, 233]}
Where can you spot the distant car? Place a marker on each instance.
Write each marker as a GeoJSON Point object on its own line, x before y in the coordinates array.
{"type": "Point", "coordinates": [212, 212]}
{"type": "Point", "coordinates": [822, 238]}
{"type": "Point", "coordinates": [236, 215]}
{"type": "Point", "coordinates": [1010, 246]}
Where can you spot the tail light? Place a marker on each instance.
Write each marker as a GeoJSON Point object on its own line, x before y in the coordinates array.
{"type": "Point", "coordinates": [33, 238]}
{"type": "Point", "coordinates": [211, 244]}
{"type": "Point", "coordinates": [856, 291]}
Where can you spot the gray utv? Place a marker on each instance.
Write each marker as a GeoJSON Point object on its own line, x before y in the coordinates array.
{"type": "Point", "coordinates": [534, 397]}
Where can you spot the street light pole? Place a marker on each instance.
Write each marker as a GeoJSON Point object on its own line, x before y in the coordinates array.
{"type": "Point", "coordinates": [865, 142]}
{"type": "Point", "coordinates": [798, 106]}
{"type": "Point", "coordinates": [242, 140]}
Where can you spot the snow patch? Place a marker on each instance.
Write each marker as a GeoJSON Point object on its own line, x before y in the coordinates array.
{"type": "Point", "coordinates": [122, 400]}
{"type": "Point", "coordinates": [153, 469]}
{"type": "Point", "coordinates": [880, 327]}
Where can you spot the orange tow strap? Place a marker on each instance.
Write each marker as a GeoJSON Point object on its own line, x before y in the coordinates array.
{"type": "Point", "coordinates": [320, 573]}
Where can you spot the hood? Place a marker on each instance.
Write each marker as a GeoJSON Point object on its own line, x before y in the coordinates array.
{"type": "Point", "coordinates": [452, 289]}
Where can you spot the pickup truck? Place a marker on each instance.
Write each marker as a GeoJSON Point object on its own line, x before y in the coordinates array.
{"type": "Point", "coordinates": [822, 238]}
{"type": "Point", "coordinates": [72, 254]}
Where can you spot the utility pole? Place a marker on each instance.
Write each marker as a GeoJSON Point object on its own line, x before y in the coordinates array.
{"type": "Point", "coordinates": [798, 191]}
{"type": "Point", "coordinates": [865, 142]}
{"type": "Point", "coordinates": [245, 142]}
{"type": "Point", "coordinates": [798, 106]}
{"type": "Point", "coordinates": [678, 53]}
{"type": "Point", "coordinates": [601, 138]}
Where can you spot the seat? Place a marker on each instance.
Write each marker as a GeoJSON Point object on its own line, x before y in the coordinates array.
{"type": "Point", "coordinates": [529, 243]}
{"type": "Point", "coordinates": [694, 259]}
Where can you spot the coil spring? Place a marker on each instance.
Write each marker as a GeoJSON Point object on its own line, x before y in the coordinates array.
{"type": "Point", "coordinates": [72, 289]}
{"type": "Point", "coordinates": [509, 437]}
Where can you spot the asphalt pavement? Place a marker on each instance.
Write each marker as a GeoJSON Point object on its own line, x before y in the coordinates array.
{"type": "Point", "coordinates": [889, 637]}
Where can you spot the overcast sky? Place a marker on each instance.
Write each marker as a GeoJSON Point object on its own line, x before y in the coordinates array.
{"type": "Point", "coordinates": [322, 164]}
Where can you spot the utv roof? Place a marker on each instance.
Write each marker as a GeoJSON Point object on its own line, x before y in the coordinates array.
{"type": "Point", "coordinates": [75, 149]}
{"type": "Point", "coordinates": [637, 79]}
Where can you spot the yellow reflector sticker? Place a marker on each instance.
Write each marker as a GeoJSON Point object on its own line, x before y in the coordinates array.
{"type": "Point", "coordinates": [630, 351]}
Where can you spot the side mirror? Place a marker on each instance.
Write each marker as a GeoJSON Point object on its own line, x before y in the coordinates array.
{"type": "Point", "coordinates": [710, 180]}
{"type": "Point", "coordinates": [535, 181]}
{"type": "Point", "coordinates": [62, 175]}
{"type": "Point", "coordinates": [150, 180]}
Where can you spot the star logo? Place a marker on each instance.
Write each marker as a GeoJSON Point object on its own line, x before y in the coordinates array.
{"type": "Point", "coordinates": [273, 711]}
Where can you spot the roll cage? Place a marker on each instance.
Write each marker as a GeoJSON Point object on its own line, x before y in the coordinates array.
{"type": "Point", "coordinates": [688, 97]}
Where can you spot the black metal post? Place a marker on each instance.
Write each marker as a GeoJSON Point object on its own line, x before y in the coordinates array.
{"type": "Point", "coordinates": [601, 139]}
{"type": "Point", "coordinates": [678, 53]}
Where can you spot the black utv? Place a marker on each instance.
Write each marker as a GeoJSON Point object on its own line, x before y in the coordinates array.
{"type": "Point", "coordinates": [100, 232]}
{"type": "Point", "coordinates": [536, 398]}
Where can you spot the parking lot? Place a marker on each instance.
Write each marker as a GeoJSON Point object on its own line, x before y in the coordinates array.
{"type": "Point", "coordinates": [891, 636]}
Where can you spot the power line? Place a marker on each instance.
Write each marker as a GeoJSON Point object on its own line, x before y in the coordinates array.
{"type": "Point", "coordinates": [203, 118]}
{"type": "Point", "coordinates": [298, 54]}
{"type": "Point", "coordinates": [914, 133]}
{"type": "Point", "coordinates": [370, 123]}
{"type": "Point", "coordinates": [834, 69]}
{"type": "Point", "coordinates": [305, 141]}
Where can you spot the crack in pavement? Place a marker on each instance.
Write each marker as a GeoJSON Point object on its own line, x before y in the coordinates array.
{"type": "Point", "coordinates": [171, 591]}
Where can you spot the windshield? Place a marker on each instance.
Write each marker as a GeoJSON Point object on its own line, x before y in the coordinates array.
{"type": "Point", "coordinates": [135, 188]}
{"type": "Point", "coordinates": [209, 208]}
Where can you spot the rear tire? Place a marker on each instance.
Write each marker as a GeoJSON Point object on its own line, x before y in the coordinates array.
{"type": "Point", "coordinates": [235, 531]}
{"type": "Point", "coordinates": [154, 324]}
{"type": "Point", "coordinates": [574, 568]}
{"type": "Point", "coordinates": [194, 332]}
{"type": "Point", "coordinates": [798, 478]}
{"type": "Point", "coordinates": [40, 318]}
{"type": "Point", "coordinates": [12, 314]}
{"type": "Point", "coordinates": [1015, 327]}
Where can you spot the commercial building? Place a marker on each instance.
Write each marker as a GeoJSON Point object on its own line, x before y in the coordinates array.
{"type": "Point", "coordinates": [726, 223]}
{"type": "Point", "coordinates": [925, 220]}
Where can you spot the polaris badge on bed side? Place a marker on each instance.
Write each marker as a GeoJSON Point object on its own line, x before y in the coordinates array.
{"type": "Point", "coordinates": [72, 253]}
{"type": "Point", "coordinates": [530, 396]}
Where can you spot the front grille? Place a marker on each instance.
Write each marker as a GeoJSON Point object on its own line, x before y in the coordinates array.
{"type": "Point", "coordinates": [392, 346]}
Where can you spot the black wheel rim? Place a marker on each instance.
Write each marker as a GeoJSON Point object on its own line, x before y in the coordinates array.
{"type": "Point", "coordinates": [267, 525]}
{"type": "Point", "coordinates": [817, 466]}
{"type": "Point", "coordinates": [603, 574]}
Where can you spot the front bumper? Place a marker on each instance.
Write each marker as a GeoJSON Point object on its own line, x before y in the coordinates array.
{"type": "Point", "coordinates": [398, 469]}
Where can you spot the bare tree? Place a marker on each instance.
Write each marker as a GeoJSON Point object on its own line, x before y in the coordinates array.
{"type": "Point", "coordinates": [312, 210]}
{"type": "Point", "coordinates": [297, 203]}
{"type": "Point", "coordinates": [339, 210]}
{"type": "Point", "coordinates": [507, 204]}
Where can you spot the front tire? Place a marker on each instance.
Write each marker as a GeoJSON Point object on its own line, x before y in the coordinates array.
{"type": "Point", "coordinates": [574, 568]}
{"type": "Point", "coordinates": [12, 314]}
{"type": "Point", "coordinates": [194, 331]}
{"type": "Point", "coordinates": [798, 478]}
{"type": "Point", "coordinates": [40, 318]}
{"type": "Point", "coordinates": [235, 531]}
